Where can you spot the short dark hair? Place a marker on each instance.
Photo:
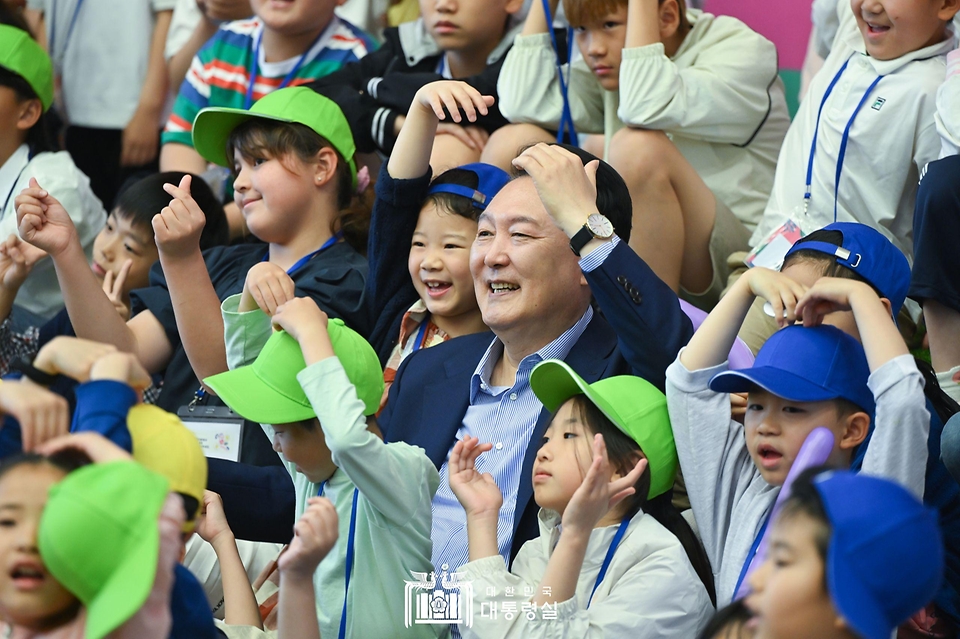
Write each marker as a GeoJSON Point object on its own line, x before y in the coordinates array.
{"type": "Point", "coordinates": [729, 622]}
{"type": "Point", "coordinates": [613, 196]}
{"type": "Point", "coordinates": [66, 460]}
{"type": "Point", "coordinates": [142, 199]}
{"type": "Point", "coordinates": [451, 202]}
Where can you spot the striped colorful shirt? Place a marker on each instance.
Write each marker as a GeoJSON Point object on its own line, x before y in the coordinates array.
{"type": "Point", "coordinates": [220, 72]}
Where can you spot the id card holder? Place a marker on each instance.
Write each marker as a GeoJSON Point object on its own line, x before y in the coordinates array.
{"type": "Point", "coordinates": [770, 252]}
{"type": "Point", "coordinates": [218, 429]}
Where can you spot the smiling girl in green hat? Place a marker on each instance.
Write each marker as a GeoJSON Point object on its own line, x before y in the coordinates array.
{"type": "Point", "coordinates": [613, 558]}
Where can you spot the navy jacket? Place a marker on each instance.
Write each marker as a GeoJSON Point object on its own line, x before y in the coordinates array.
{"type": "Point", "coordinates": [636, 307]}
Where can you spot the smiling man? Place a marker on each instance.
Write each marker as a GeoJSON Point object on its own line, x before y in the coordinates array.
{"type": "Point", "coordinates": [550, 241]}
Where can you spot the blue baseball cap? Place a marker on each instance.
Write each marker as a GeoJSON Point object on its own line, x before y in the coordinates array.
{"type": "Point", "coordinates": [885, 560]}
{"type": "Point", "coordinates": [805, 365]}
{"type": "Point", "coordinates": [869, 254]}
{"type": "Point", "coordinates": [490, 179]}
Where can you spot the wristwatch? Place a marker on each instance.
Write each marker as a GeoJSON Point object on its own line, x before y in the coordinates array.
{"type": "Point", "coordinates": [32, 373]}
{"type": "Point", "coordinates": [597, 227]}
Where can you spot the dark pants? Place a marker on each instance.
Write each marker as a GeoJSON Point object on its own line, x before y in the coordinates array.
{"type": "Point", "coordinates": [96, 152]}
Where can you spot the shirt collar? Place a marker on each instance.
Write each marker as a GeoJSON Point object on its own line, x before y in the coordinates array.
{"type": "Point", "coordinates": [557, 349]}
{"type": "Point", "coordinates": [417, 43]}
{"type": "Point", "coordinates": [886, 67]}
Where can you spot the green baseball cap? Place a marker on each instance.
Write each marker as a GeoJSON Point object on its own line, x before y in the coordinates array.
{"type": "Point", "coordinates": [213, 125]}
{"type": "Point", "coordinates": [99, 537]}
{"type": "Point", "coordinates": [21, 54]}
{"type": "Point", "coordinates": [268, 391]}
{"type": "Point", "coordinates": [635, 405]}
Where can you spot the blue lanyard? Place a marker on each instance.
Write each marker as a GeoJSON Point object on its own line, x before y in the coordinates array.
{"type": "Point", "coordinates": [617, 538]}
{"type": "Point", "coordinates": [421, 334]}
{"type": "Point", "coordinates": [350, 540]}
{"type": "Point", "coordinates": [53, 26]}
{"type": "Point", "coordinates": [309, 256]}
{"type": "Point", "coordinates": [566, 131]}
{"type": "Point", "coordinates": [753, 551]}
{"type": "Point", "coordinates": [248, 101]}
{"type": "Point", "coordinates": [843, 140]}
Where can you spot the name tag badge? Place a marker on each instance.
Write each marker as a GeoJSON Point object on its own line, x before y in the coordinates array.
{"type": "Point", "coordinates": [217, 428]}
{"type": "Point", "coordinates": [770, 252]}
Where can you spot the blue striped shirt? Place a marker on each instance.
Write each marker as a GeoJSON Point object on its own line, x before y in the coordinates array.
{"type": "Point", "coordinates": [507, 417]}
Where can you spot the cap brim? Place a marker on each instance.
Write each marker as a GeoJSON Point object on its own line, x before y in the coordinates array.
{"type": "Point", "coordinates": [213, 126]}
{"type": "Point", "coordinates": [773, 380]}
{"type": "Point", "coordinates": [554, 382]}
{"type": "Point", "coordinates": [249, 397]}
{"type": "Point", "coordinates": [130, 584]}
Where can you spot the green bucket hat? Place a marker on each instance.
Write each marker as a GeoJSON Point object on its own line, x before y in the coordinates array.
{"type": "Point", "coordinates": [22, 55]}
{"type": "Point", "coordinates": [268, 391]}
{"type": "Point", "coordinates": [99, 537]}
{"type": "Point", "coordinates": [635, 405]}
{"type": "Point", "coordinates": [301, 105]}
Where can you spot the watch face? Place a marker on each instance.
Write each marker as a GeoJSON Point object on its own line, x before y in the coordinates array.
{"type": "Point", "coordinates": [600, 226]}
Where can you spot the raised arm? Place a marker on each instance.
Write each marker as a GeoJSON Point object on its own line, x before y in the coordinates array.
{"type": "Point", "coordinates": [195, 302]}
{"type": "Point", "coordinates": [44, 223]}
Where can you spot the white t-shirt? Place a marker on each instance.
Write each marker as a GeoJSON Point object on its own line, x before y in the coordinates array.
{"type": "Point", "coordinates": [103, 60]}
{"type": "Point", "coordinates": [56, 173]}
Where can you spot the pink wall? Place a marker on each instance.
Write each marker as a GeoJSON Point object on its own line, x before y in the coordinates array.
{"type": "Point", "coordinates": [785, 22]}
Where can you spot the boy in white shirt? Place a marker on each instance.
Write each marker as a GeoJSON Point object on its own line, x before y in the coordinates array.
{"type": "Point", "coordinates": [693, 114]}
{"type": "Point", "coordinates": [866, 128]}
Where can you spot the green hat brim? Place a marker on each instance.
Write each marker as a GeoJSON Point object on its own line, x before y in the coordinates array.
{"type": "Point", "coordinates": [212, 128]}
{"type": "Point", "coordinates": [252, 399]}
{"type": "Point", "coordinates": [554, 382]}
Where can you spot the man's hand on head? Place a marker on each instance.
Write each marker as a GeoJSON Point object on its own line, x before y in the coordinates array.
{"type": "Point", "coordinates": [567, 187]}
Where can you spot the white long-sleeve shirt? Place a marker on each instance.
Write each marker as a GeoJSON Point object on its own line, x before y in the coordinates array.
{"type": "Point", "coordinates": [718, 98]}
{"type": "Point", "coordinates": [893, 136]}
{"type": "Point", "coordinates": [650, 591]}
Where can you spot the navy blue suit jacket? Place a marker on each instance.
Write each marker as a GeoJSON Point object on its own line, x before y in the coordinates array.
{"type": "Point", "coordinates": [639, 331]}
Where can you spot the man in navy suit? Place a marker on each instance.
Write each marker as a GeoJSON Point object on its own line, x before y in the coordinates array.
{"type": "Point", "coordinates": [535, 294]}
{"type": "Point", "coordinates": [599, 307]}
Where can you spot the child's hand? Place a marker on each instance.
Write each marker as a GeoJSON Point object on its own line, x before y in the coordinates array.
{"type": "Point", "coordinates": [113, 287]}
{"type": "Point", "coordinates": [212, 524]}
{"type": "Point", "coordinates": [71, 356]}
{"type": "Point", "coordinates": [313, 538]}
{"type": "Point", "coordinates": [830, 295]}
{"type": "Point", "coordinates": [567, 187]}
{"type": "Point", "coordinates": [178, 226]}
{"type": "Point", "coordinates": [597, 494]}
{"type": "Point", "coordinates": [121, 367]}
{"type": "Point", "coordinates": [301, 317]}
{"type": "Point", "coordinates": [779, 290]}
{"type": "Point", "coordinates": [16, 261]}
{"type": "Point", "coordinates": [478, 494]}
{"type": "Point", "coordinates": [267, 287]}
{"type": "Point", "coordinates": [95, 446]}
{"type": "Point", "coordinates": [42, 415]}
{"type": "Point", "coordinates": [43, 222]}
{"type": "Point", "coordinates": [453, 95]}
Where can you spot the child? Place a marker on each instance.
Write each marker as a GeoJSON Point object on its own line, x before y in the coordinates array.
{"type": "Point", "coordinates": [296, 180]}
{"type": "Point", "coordinates": [803, 377]}
{"type": "Point", "coordinates": [709, 83]}
{"type": "Point", "coordinates": [285, 44]}
{"type": "Point", "coordinates": [123, 252]}
{"type": "Point", "coordinates": [438, 283]}
{"type": "Point", "coordinates": [878, 84]}
{"type": "Point", "coordinates": [26, 86]}
{"type": "Point", "coordinates": [314, 399]}
{"type": "Point", "coordinates": [465, 40]}
{"type": "Point", "coordinates": [111, 83]}
{"type": "Point", "coordinates": [861, 253]}
{"type": "Point", "coordinates": [850, 557]}
{"type": "Point", "coordinates": [652, 590]}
